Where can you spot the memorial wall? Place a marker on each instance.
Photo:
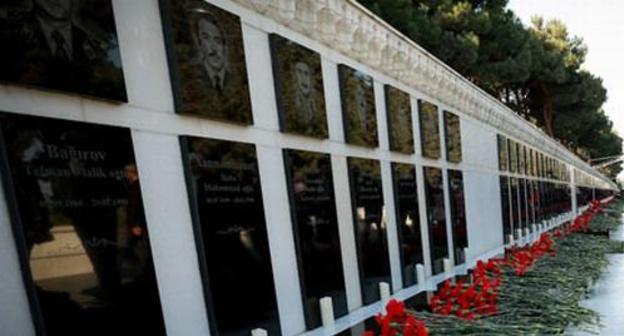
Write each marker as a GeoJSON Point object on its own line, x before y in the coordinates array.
{"type": "Point", "coordinates": [187, 167]}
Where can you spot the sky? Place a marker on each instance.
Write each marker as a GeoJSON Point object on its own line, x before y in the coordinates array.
{"type": "Point", "coordinates": [601, 25]}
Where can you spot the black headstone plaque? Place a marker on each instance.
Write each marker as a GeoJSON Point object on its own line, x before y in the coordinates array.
{"type": "Point", "coordinates": [522, 192]}
{"type": "Point", "coordinates": [64, 45]}
{"type": "Point", "coordinates": [537, 201]}
{"type": "Point", "coordinates": [399, 113]}
{"type": "Point", "coordinates": [370, 227]}
{"type": "Point", "coordinates": [231, 235]}
{"type": "Point", "coordinates": [452, 132]}
{"type": "Point", "coordinates": [313, 209]}
{"type": "Point", "coordinates": [298, 88]}
{"type": "Point", "coordinates": [458, 214]}
{"type": "Point", "coordinates": [358, 107]}
{"type": "Point", "coordinates": [408, 220]}
{"type": "Point", "coordinates": [438, 243]}
{"type": "Point", "coordinates": [80, 227]}
{"type": "Point", "coordinates": [206, 60]}
{"type": "Point", "coordinates": [429, 130]}
{"type": "Point", "coordinates": [505, 207]}
{"type": "Point", "coordinates": [515, 205]}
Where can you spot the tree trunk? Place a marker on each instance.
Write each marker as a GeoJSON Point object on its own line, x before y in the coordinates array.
{"type": "Point", "coordinates": [547, 107]}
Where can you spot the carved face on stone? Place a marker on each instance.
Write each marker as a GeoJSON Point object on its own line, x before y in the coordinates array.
{"type": "Point", "coordinates": [303, 78]}
{"type": "Point", "coordinates": [211, 44]}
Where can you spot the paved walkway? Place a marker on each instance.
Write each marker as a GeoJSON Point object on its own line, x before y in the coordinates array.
{"type": "Point", "coordinates": [607, 296]}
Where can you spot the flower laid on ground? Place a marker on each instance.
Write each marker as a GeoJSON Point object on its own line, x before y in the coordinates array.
{"type": "Point", "coordinates": [468, 301]}
{"type": "Point", "coordinates": [521, 259]}
{"type": "Point", "coordinates": [478, 299]}
{"type": "Point", "coordinates": [397, 322]}
{"type": "Point", "coordinates": [534, 289]}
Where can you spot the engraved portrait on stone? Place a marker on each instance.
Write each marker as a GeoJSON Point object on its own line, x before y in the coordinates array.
{"type": "Point", "coordinates": [298, 88]}
{"type": "Point", "coordinates": [399, 112]}
{"type": "Point", "coordinates": [64, 45]}
{"type": "Point", "coordinates": [206, 61]}
{"type": "Point", "coordinates": [429, 130]}
{"type": "Point", "coordinates": [358, 107]}
{"type": "Point", "coordinates": [452, 131]}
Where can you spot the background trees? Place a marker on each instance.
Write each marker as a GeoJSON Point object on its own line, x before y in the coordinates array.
{"type": "Point", "coordinates": [535, 69]}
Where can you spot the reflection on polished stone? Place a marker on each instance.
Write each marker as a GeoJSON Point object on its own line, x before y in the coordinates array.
{"type": "Point", "coordinates": [207, 61]}
{"type": "Point", "coordinates": [515, 205]}
{"type": "Point", "coordinates": [231, 230]}
{"type": "Point", "coordinates": [399, 111]}
{"type": "Point", "coordinates": [315, 226]}
{"type": "Point", "coordinates": [452, 132]}
{"type": "Point", "coordinates": [523, 205]}
{"type": "Point", "coordinates": [79, 210]}
{"type": "Point", "coordinates": [429, 130]}
{"type": "Point", "coordinates": [370, 226]}
{"type": "Point", "coordinates": [358, 107]}
{"type": "Point", "coordinates": [505, 195]}
{"type": "Point", "coordinates": [458, 214]}
{"type": "Point", "coordinates": [298, 88]}
{"type": "Point", "coordinates": [82, 56]}
{"type": "Point", "coordinates": [436, 218]}
{"type": "Point", "coordinates": [408, 220]}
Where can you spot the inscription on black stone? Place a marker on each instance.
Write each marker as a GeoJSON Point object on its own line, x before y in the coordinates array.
{"type": "Point", "coordinates": [315, 225]}
{"type": "Point", "coordinates": [231, 235]}
{"type": "Point", "coordinates": [408, 220]}
{"type": "Point", "coordinates": [80, 225]}
{"type": "Point", "coordinates": [458, 214]}
{"type": "Point", "coordinates": [370, 226]}
{"type": "Point", "coordinates": [436, 218]}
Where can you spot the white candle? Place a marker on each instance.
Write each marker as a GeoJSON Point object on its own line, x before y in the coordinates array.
{"type": "Point", "coordinates": [327, 311]}
{"type": "Point", "coordinates": [420, 274]}
{"type": "Point", "coordinates": [510, 238]}
{"type": "Point", "coordinates": [259, 332]}
{"type": "Point", "coordinates": [447, 265]}
{"type": "Point", "coordinates": [384, 292]}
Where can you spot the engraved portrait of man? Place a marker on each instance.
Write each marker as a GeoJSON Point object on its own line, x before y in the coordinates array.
{"type": "Point", "coordinates": [304, 95]}
{"type": "Point", "coordinates": [358, 107]}
{"type": "Point", "coordinates": [212, 47]}
{"type": "Point", "coordinates": [361, 106]}
{"type": "Point", "coordinates": [66, 45]}
{"type": "Point", "coordinates": [399, 111]}
{"type": "Point", "coordinates": [298, 88]}
{"type": "Point", "coordinates": [207, 61]}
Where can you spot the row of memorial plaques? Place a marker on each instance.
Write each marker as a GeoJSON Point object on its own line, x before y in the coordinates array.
{"type": "Point", "coordinates": [73, 46]}
{"type": "Point", "coordinates": [518, 158]}
{"type": "Point", "coordinates": [430, 133]}
{"type": "Point", "coordinates": [436, 216]}
{"type": "Point", "coordinates": [525, 201]}
{"type": "Point", "coordinates": [84, 244]}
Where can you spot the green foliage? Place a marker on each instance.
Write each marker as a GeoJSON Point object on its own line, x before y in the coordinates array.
{"type": "Point", "coordinates": [536, 70]}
